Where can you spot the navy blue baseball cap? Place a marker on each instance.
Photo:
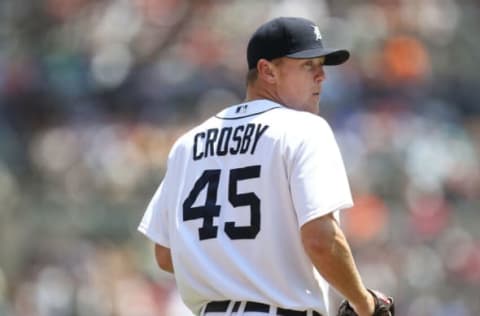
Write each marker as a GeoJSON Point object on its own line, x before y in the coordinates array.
{"type": "Point", "coordinates": [291, 37]}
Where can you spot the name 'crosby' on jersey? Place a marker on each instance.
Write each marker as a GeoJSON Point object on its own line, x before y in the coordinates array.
{"type": "Point", "coordinates": [227, 140]}
{"type": "Point", "coordinates": [241, 184]}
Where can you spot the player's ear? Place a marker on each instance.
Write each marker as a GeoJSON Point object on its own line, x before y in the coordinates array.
{"type": "Point", "coordinates": [266, 71]}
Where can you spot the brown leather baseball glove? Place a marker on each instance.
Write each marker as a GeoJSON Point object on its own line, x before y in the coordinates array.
{"type": "Point", "coordinates": [384, 306]}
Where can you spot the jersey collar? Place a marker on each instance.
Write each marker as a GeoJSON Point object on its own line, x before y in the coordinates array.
{"type": "Point", "coordinates": [248, 109]}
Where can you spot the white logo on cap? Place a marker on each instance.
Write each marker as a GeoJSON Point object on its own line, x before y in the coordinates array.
{"type": "Point", "coordinates": [316, 31]}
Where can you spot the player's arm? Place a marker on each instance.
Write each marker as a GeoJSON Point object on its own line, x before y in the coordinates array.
{"type": "Point", "coordinates": [329, 251]}
{"type": "Point", "coordinates": [163, 258]}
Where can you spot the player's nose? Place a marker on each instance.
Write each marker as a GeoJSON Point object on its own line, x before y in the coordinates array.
{"type": "Point", "coordinates": [319, 74]}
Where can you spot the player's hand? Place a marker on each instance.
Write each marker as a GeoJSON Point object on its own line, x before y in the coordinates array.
{"type": "Point", "coordinates": [384, 306]}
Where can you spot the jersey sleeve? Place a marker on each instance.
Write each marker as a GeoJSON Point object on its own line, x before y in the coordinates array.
{"type": "Point", "coordinates": [318, 179]}
{"type": "Point", "coordinates": [154, 223]}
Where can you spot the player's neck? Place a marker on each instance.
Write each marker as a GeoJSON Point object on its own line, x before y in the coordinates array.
{"type": "Point", "coordinates": [259, 93]}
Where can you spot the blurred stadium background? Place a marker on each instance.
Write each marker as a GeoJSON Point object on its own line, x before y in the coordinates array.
{"type": "Point", "coordinates": [93, 93]}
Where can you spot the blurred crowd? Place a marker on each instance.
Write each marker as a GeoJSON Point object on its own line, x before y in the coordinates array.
{"type": "Point", "coordinates": [94, 93]}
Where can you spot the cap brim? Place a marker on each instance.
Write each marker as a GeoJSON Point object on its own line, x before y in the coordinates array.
{"type": "Point", "coordinates": [332, 56]}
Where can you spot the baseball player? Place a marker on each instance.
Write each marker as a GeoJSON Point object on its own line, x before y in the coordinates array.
{"type": "Point", "coordinates": [246, 216]}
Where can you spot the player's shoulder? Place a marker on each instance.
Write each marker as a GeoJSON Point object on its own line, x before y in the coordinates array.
{"type": "Point", "coordinates": [307, 119]}
{"type": "Point", "coordinates": [303, 123]}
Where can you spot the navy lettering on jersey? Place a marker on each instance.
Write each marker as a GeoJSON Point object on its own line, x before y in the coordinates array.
{"type": "Point", "coordinates": [196, 143]}
{"type": "Point", "coordinates": [246, 138]}
{"type": "Point", "coordinates": [223, 140]}
{"type": "Point", "coordinates": [227, 140]}
{"type": "Point", "coordinates": [237, 139]}
{"type": "Point", "coordinates": [212, 134]}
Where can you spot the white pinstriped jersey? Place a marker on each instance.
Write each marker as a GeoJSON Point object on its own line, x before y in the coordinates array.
{"type": "Point", "coordinates": [237, 189]}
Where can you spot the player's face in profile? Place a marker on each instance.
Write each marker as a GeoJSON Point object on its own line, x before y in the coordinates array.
{"type": "Point", "coordinates": [299, 82]}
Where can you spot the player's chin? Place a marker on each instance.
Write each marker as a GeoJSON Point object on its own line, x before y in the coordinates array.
{"type": "Point", "coordinates": [313, 105]}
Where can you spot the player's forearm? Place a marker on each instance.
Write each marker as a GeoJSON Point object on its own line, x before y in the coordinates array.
{"type": "Point", "coordinates": [332, 257]}
{"type": "Point", "coordinates": [338, 268]}
{"type": "Point", "coordinates": [164, 258]}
